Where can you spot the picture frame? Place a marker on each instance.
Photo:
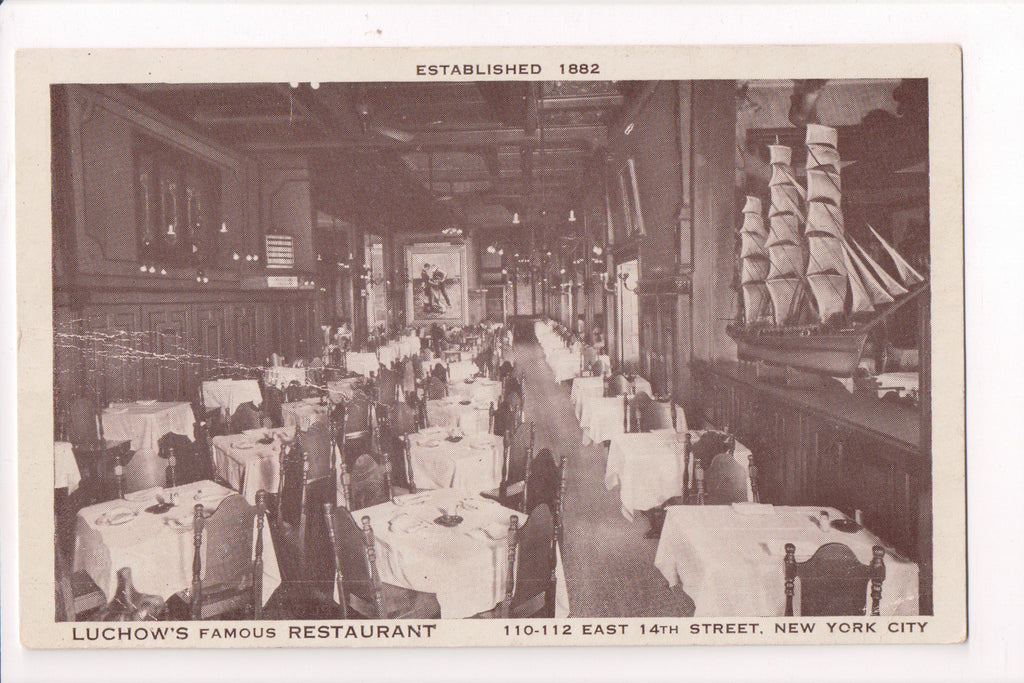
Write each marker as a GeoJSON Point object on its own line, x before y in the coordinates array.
{"type": "Point", "coordinates": [436, 284]}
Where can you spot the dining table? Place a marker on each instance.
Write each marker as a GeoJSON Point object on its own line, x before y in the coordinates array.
{"type": "Point", "coordinates": [478, 389]}
{"type": "Point", "coordinates": [365, 363]}
{"type": "Point", "coordinates": [648, 467]}
{"type": "Point", "coordinates": [471, 463]}
{"type": "Point", "coordinates": [250, 461]}
{"type": "Point", "coordinates": [584, 388]}
{"type": "Point", "coordinates": [601, 418]}
{"type": "Point", "coordinates": [464, 566]}
{"type": "Point", "coordinates": [281, 376]}
{"type": "Point", "coordinates": [228, 394]}
{"type": "Point", "coordinates": [304, 413]}
{"type": "Point", "coordinates": [158, 547]}
{"type": "Point", "coordinates": [465, 414]}
{"type": "Point", "coordinates": [344, 388]}
{"type": "Point", "coordinates": [730, 558]}
{"type": "Point", "coordinates": [460, 370]}
{"type": "Point", "coordinates": [143, 423]}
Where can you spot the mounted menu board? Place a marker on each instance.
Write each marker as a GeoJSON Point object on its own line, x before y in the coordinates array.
{"type": "Point", "coordinates": [280, 251]}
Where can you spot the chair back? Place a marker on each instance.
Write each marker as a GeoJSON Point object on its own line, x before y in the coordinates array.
{"type": "Point", "coordinates": [833, 582]}
{"type": "Point", "coordinates": [273, 399]}
{"type": "Point", "coordinates": [533, 563]}
{"type": "Point", "coordinates": [388, 382]}
{"type": "Point", "coordinates": [294, 392]}
{"type": "Point", "coordinates": [355, 561]}
{"type": "Point", "coordinates": [519, 444]}
{"type": "Point", "coordinates": [542, 481]}
{"type": "Point", "coordinates": [82, 425]}
{"type": "Point", "coordinates": [618, 385]}
{"type": "Point", "coordinates": [408, 375]}
{"type": "Point", "coordinates": [229, 549]}
{"type": "Point", "coordinates": [183, 465]}
{"type": "Point", "coordinates": [357, 415]}
{"type": "Point", "coordinates": [315, 443]}
{"type": "Point", "coordinates": [416, 363]}
{"type": "Point", "coordinates": [246, 417]}
{"type": "Point", "coordinates": [369, 482]}
{"type": "Point", "coordinates": [291, 492]}
{"type": "Point", "coordinates": [725, 481]}
{"type": "Point", "coordinates": [597, 368]}
{"type": "Point", "coordinates": [435, 388]}
{"type": "Point", "coordinates": [440, 371]}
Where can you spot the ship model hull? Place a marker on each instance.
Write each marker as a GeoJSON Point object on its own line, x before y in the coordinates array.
{"type": "Point", "coordinates": [837, 354]}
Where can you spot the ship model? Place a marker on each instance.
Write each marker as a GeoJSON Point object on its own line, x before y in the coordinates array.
{"type": "Point", "coordinates": [811, 295]}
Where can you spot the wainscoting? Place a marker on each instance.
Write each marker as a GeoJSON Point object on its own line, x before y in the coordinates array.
{"type": "Point", "coordinates": [132, 345]}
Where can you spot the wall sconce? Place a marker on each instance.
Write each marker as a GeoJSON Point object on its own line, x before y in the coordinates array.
{"type": "Point", "coordinates": [597, 250]}
{"type": "Point", "coordinates": [224, 228]}
{"type": "Point", "coordinates": [515, 218]}
{"type": "Point", "coordinates": [235, 256]}
{"type": "Point", "coordinates": [572, 216]}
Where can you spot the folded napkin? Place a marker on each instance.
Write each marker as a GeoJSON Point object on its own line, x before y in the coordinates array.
{"type": "Point", "coordinates": [405, 523]}
{"type": "Point", "coordinates": [412, 498]}
{"type": "Point", "coordinates": [753, 508]}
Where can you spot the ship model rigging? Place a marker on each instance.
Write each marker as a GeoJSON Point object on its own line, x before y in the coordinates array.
{"type": "Point", "coordinates": [811, 294]}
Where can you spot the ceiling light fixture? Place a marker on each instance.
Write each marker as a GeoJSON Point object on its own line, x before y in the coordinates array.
{"type": "Point", "coordinates": [315, 85]}
{"type": "Point", "coordinates": [629, 128]}
{"type": "Point", "coordinates": [572, 216]}
{"type": "Point", "coordinates": [515, 218]}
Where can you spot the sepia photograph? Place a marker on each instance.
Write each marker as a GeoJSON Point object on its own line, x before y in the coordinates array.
{"type": "Point", "coordinates": [501, 351]}
{"type": "Point", "coordinates": [721, 414]}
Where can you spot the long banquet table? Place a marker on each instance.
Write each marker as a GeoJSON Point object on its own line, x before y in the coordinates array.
{"type": "Point", "coordinates": [729, 558]}
{"type": "Point", "coordinates": [158, 550]}
{"type": "Point", "coordinates": [464, 566]}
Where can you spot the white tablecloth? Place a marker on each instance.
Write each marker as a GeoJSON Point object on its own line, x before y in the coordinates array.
{"type": "Point", "coordinates": [362, 362]}
{"type": "Point", "coordinates": [144, 423]}
{"type": "Point", "coordinates": [302, 414]}
{"type": "Point", "coordinates": [731, 564]}
{"type": "Point", "coordinates": [65, 468]}
{"type": "Point", "coordinates": [283, 375]}
{"type": "Point", "coordinates": [480, 390]}
{"type": "Point", "coordinates": [231, 393]}
{"type": "Point", "coordinates": [462, 566]}
{"type": "Point", "coordinates": [247, 465]}
{"type": "Point", "coordinates": [601, 418]}
{"type": "Point", "coordinates": [584, 388]}
{"type": "Point", "coordinates": [471, 465]}
{"type": "Point", "coordinates": [449, 412]}
{"type": "Point", "coordinates": [648, 467]}
{"type": "Point", "coordinates": [565, 363]}
{"type": "Point", "coordinates": [160, 556]}
{"type": "Point", "coordinates": [338, 389]}
{"type": "Point", "coordinates": [458, 371]}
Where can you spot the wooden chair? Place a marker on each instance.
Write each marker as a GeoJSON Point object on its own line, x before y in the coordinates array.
{"type": "Point", "coordinates": [515, 467]}
{"type": "Point", "coordinates": [543, 480]}
{"type": "Point", "coordinates": [273, 399]}
{"type": "Point", "coordinates": [183, 462]}
{"type": "Point", "coordinates": [435, 388]}
{"type": "Point", "coordinates": [299, 538]}
{"type": "Point", "coordinates": [617, 386]}
{"type": "Point", "coordinates": [245, 417]}
{"type": "Point", "coordinates": [650, 415]}
{"type": "Point", "coordinates": [416, 363]}
{"type": "Point", "coordinates": [359, 418]}
{"type": "Point", "coordinates": [440, 371]}
{"type": "Point", "coordinates": [360, 590]}
{"type": "Point", "coordinates": [98, 457]}
{"type": "Point", "coordinates": [597, 368]}
{"type": "Point", "coordinates": [388, 385]}
{"type": "Point", "coordinates": [833, 582]}
{"type": "Point", "coordinates": [529, 586]}
{"type": "Point", "coordinates": [369, 482]}
{"type": "Point", "coordinates": [233, 581]}
{"type": "Point", "coordinates": [295, 391]}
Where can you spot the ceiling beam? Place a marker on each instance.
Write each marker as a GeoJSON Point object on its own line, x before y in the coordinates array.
{"type": "Point", "coordinates": [584, 137]}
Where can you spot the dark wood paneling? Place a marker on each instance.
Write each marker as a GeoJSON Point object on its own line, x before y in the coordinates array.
{"type": "Point", "coordinates": [811, 454]}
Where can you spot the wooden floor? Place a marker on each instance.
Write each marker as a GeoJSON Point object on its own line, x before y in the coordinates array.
{"type": "Point", "coordinates": [609, 565]}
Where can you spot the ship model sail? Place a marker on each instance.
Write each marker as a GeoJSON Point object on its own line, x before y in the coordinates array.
{"type": "Point", "coordinates": [811, 294]}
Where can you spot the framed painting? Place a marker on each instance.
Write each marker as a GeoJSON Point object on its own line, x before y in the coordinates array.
{"type": "Point", "coordinates": [436, 284]}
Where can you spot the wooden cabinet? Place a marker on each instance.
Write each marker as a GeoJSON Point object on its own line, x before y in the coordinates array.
{"type": "Point", "coordinates": [828, 447]}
